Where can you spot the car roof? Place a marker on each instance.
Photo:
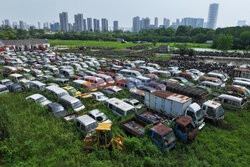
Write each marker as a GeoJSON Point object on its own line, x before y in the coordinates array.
{"type": "Point", "coordinates": [36, 96]}
{"type": "Point", "coordinates": [85, 119]}
{"type": "Point", "coordinates": [96, 112]}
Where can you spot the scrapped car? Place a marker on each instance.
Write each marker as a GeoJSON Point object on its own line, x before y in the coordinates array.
{"type": "Point", "coordinates": [99, 116]}
{"type": "Point", "coordinates": [99, 96]}
{"type": "Point", "coordinates": [134, 103]}
{"type": "Point", "coordinates": [38, 98]}
{"type": "Point", "coordinates": [57, 109]}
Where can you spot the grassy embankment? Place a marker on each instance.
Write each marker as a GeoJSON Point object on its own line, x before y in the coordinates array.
{"type": "Point", "coordinates": [34, 137]}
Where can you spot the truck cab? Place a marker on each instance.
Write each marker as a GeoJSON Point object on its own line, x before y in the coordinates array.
{"type": "Point", "coordinates": [195, 112]}
{"type": "Point", "coordinates": [213, 110]}
{"type": "Point", "coordinates": [185, 130]}
{"type": "Point", "coordinates": [163, 136]}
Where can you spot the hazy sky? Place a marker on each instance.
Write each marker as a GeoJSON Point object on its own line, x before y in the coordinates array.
{"type": "Point", "coordinates": [32, 11]}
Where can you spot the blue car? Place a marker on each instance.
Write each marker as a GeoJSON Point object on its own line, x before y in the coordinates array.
{"type": "Point", "coordinates": [15, 88]}
{"type": "Point", "coordinates": [135, 81]}
{"type": "Point", "coordinates": [146, 88]}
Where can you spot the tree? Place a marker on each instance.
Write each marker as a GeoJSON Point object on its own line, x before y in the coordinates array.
{"type": "Point", "coordinates": [224, 42]}
{"type": "Point", "coordinates": [191, 52]}
{"type": "Point", "coordinates": [154, 41]}
{"type": "Point", "coordinates": [182, 50]}
{"type": "Point", "coordinates": [245, 39]}
{"type": "Point", "coordinates": [183, 31]}
{"type": "Point", "coordinates": [200, 38]}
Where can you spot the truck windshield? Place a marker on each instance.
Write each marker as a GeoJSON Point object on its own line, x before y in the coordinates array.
{"type": "Point", "coordinates": [169, 138]}
{"type": "Point", "coordinates": [220, 111]}
{"type": "Point", "coordinates": [200, 114]}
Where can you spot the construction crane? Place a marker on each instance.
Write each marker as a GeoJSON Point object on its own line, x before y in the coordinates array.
{"type": "Point", "coordinates": [102, 137]}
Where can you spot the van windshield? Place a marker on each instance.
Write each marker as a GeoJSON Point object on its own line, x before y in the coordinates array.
{"type": "Point", "coordinates": [76, 105]}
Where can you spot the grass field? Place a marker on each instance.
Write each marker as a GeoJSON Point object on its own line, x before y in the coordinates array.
{"type": "Point", "coordinates": [74, 43]}
{"type": "Point", "coordinates": [117, 45]}
{"type": "Point", "coordinates": [34, 137]}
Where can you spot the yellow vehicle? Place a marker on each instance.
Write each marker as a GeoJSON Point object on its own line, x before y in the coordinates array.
{"type": "Point", "coordinates": [102, 137]}
{"type": "Point", "coordinates": [72, 91]}
{"type": "Point", "coordinates": [90, 86]}
{"type": "Point", "coordinates": [86, 95]}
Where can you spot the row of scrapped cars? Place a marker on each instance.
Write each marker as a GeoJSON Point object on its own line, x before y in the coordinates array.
{"type": "Point", "coordinates": [174, 103]}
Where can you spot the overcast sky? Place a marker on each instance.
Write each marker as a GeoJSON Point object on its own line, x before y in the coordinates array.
{"type": "Point", "coordinates": [32, 11]}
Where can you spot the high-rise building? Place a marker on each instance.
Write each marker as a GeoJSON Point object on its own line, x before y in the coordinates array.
{"type": "Point", "coordinates": [145, 23]}
{"type": "Point", "coordinates": [39, 25]}
{"type": "Point", "coordinates": [166, 22]}
{"type": "Point", "coordinates": [14, 25]}
{"type": "Point", "coordinates": [6, 22]}
{"type": "Point", "coordinates": [21, 25]}
{"type": "Point", "coordinates": [212, 15]}
{"type": "Point", "coordinates": [52, 27]}
{"type": "Point", "coordinates": [71, 28]}
{"type": "Point", "coordinates": [156, 22]}
{"type": "Point", "coordinates": [84, 25]}
{"type": "Point", "coordinates": [104, 24]}
{"type": "Point", "coordinates": [89, 23]}
{"type": "Point", "coordinates": [79, 22]}
{"type": "Point", "coordinates": [136, 24]}
{"type": "Point", "coordinates": [115, 28]}
{"type": "Point", "coordinates": [96, 25]}
{"type": "Point", "coordinates": [45, 25]}
{"type": "Point", "coordinates": [178, 23]}
{"type": "Point", "coordinates": [242, 23]}
{"type": "Point", "coordinates": [64, 21]}
{"type": "Point", "coordinates": [57, 26]}
{"type": "Point", "coordinates": [193, 22]}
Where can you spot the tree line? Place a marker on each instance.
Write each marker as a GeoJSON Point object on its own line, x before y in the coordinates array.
{"type": "Point", "coordinates": [223, 38]}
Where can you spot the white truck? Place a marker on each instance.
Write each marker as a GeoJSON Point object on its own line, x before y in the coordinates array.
{"type": "Point", "coordinates": [174, 105]}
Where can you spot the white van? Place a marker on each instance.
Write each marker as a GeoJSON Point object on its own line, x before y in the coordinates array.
{"type": "Point", "coordinates": [242, 83]}
{"type": "Point", "coordinates": [57, 91]}
{"type": "Point", "coordinates": [144, 80]}
{"type": "Point", "coordinates": [71, 102]}
{"type": "Point", "coordinates": [156, 66]}
{"type": "Point", "coordinates": [85, 124]}
{"type": "Point", "coordinates": [3, 89]}
{"type": "Point", "coordinates": [209, 84]}
{"type": "Point", "coordinates": [36, 85]}
{"type": "Point", "coordinates": [16, 77]}
{"type": "Point", "coordinates": [119, 107]}
{"type": "Point", "coordinates": [222, 77]}
{"type": "Point", "coordinates": [164, 74]}
{"type": "Point", "coordinates": [231, 102]}
{"type": "Point", "coordinates": [130, 73]}
{"type": "Point", "coordinates": [147, 69]}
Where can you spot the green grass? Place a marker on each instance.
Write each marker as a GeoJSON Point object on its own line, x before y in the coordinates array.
{"type": "Point", "coordinates": [117, 45]}
{"type": "Point", "coordinates": [34, 137]}
{"type": "Point", "coordinates": [74, 43]}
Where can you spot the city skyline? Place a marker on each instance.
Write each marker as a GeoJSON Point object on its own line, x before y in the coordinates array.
{"type": "Point", "coordinates": [172, 11]}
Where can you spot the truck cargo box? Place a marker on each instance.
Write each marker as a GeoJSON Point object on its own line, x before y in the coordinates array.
{"type": "Point", "coordinates": [151, 117]}
{"type": "Point", "coordinates": [169, 103]}
{"type": "Point", "coordinates": [134, 126]}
